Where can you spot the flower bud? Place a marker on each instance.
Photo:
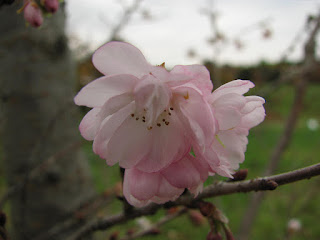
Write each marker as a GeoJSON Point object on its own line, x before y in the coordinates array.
{"type": "Point", "coordinates": [33, 14]}
{"type": "Point", "coordinates": [196, 218]}
{"type": "Point", "coordinates": [206, 208]}
{"type": "Point", "coordinates": [214, 236]}
{"type": "Point", "coordinates": [51, 5]}
{"type": "Point", "coordinates": [240, 175]}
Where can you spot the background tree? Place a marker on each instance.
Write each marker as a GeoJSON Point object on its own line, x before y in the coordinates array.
{"type": "Point", "coordinates": [40, 124]}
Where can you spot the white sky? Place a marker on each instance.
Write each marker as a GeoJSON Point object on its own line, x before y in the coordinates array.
{"type": "Point", "coordinates": [178, 25]}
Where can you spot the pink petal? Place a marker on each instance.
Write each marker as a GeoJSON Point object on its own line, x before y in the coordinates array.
{"type": "Point", "coordinates": [130, 143]}
{"type": "Point", "coordinates": [252, 102]}
{"type": "Point", "coordinates": [51, 5]}
{"type": "Point", "coordinates": [169, 78]}
{"type": "Point", "coordinates": [199, 74]}
{"type": "Point", "coordinates": [230, 100]}
{"type": "Point", "coordinates": [151, 96]}
{"type": "Point", "coordinates": [107, 130]}
{"type": "Point", "coordinates": [230, 147]}
{"type": "Point", "coordinates": [227, 110]}
{"type": "Point", "coordinates": [196, 115]}
{"type": "Point", "coordinates": [90, 124]}
{"type": "Point", "coordinates": [143, 186]}
{"type": "Point", "coordinates": [228, 117]}
{"type": "Point", "coordinates": [33, 14]}
{"type": "Point", "coordinates": [120, 58]}
{"type": "Point", "coordinates": [167, 192]}
{"type": "Point", "coordinates": [236, 86]}
{"type": "Point", "coordinates": [97, 92]}
{"type": "Point", "coordinates": [167, 144]}
{"type": "Point", "coordinates": [183, 174]}
{"type": "Point", "coordinates": [253, 118]}
{"type": "Point", "coordinates": [196, 189]}
{"type": "Point", "coordinates": [127, 194]}
{"type": "Point", "coordinates": [114, 104]}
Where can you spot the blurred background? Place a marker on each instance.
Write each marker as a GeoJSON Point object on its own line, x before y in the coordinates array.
{"type": "Point", "coordinates": [272, 43]}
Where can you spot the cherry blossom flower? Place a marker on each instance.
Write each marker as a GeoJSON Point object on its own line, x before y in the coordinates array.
{"type": "Point", "coordinates": [144, 116]}
{"type": "Point", "coordinates": [32, 13]}
{"type": "Point", "coordinates": [141, 188]}
{"type": "Point", "coordinates": [148, 119]}
{"type": "Point", "coordinates": [51, 5]}
{"type": "Point", "coordinates": [235, 115]}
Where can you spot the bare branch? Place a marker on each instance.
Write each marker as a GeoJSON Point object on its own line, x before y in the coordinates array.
{"type": "Point", "coordinates": [125, 19]}
{"type": "Point", "coordinates": [217, 189]}
{"type": "Point", "coordinates": [158, 224]}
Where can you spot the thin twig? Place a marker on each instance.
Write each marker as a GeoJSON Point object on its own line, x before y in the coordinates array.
{"type": "Point", "coordinates": [79, 216]}
{"type": "Point", "coordinates": [125, 19]}
{"type": "Point", "coordinates": [218, 189]}
{"type": "Point", "coordinates": [158, 224]}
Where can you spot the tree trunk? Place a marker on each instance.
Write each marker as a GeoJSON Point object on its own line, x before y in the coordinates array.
{"type": "Point", "coordinates": [40, 124]}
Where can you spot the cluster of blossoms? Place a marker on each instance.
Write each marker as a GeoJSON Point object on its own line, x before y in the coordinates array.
{"type": "Point", "coordinates": [167, 129]}
{"type": "Point", "coordinates": [33, 11]}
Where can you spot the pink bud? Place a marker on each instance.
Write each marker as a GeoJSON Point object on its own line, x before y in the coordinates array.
{"type": "Point", "coordinates": [33, 14]}
{"type": "Point", "coordinates": [51, 5]}
{"type": "Point", "coordinates": [214, 236]}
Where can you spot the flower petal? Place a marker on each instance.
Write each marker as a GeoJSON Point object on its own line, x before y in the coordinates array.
{"type": "Point", "coordinates": [143, 186]}
{"type": "Point", "coordinates": [127, 193]}
{"type": "Point", "coordinates": [227, 110]}
{"type": "Point", "coordinates": [199, 74]}
{"type": "Point", "coordinates": [236, 86]}
{"type": "Point", "coordinates": [168, 143]}
{"type": "Point", "coordinates": [184, 174]}
{"type": "Point", "coordinates": [167, 192]}
{"type": "Point", "coordinates": [120, 58]}
{"type": "Point", "coordinates": [252, 102]}
{"type": "Point", "coordinates": [230, 147]}
{"type": "Point", "coordinates": [253, 118]}
{"type": "Point", "coordinates": [130, 143]}
{"type": "Point", "coordinates": [97, 92]}
{"type": "Point", "coordinates": [114, 104]}
{"type": "Point", "coordinates": [90, 124]}
{"type": "Point", "coordinates": [228, 117]}
{"type": "Point", "coordinates": [151, 96]}
{"type": "Point", "coordinates": [196, 114]}
{"type": "Point", "coordinates": [107, 130]}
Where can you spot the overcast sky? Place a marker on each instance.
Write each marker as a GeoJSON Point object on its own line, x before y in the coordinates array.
{"type": "Point", "coordinates": [177, 26]}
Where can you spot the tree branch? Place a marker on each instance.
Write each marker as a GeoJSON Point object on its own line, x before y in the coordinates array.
{"type": "Point", "coordinates": [155, 226]}
{"type": "Point", "coordinates": [217, 189]}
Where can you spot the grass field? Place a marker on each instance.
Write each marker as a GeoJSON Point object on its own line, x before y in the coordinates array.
{"type": "Point", "coordinates": [299, 200]}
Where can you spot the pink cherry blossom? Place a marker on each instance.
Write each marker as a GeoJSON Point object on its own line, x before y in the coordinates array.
{"type": "Point", "coordinates": [148, 119]}
{"type": "Point", "coordinates": [235, 115]}
{"type": "Point", "coordinates": [144, 116]}
{"type": "Point", "coordinates": [141, 188]}
{"type": "Point", "coordinates": [33, 14]}
{"type": "Point", "coordinates": [51, 5]}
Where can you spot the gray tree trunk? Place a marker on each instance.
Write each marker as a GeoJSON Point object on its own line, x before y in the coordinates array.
{"type": "Point", "coordinates": [40, 121]}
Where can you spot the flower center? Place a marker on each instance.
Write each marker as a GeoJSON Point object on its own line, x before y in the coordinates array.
{"type": "Point", "coordinates": [163, 119]}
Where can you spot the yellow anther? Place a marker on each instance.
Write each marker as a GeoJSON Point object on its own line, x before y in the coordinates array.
{"type": "Point", "coordinates": [163, 65]}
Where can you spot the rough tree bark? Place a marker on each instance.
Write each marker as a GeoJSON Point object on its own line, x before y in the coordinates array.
{"type": "Point", "coordinates": [40, 120]}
